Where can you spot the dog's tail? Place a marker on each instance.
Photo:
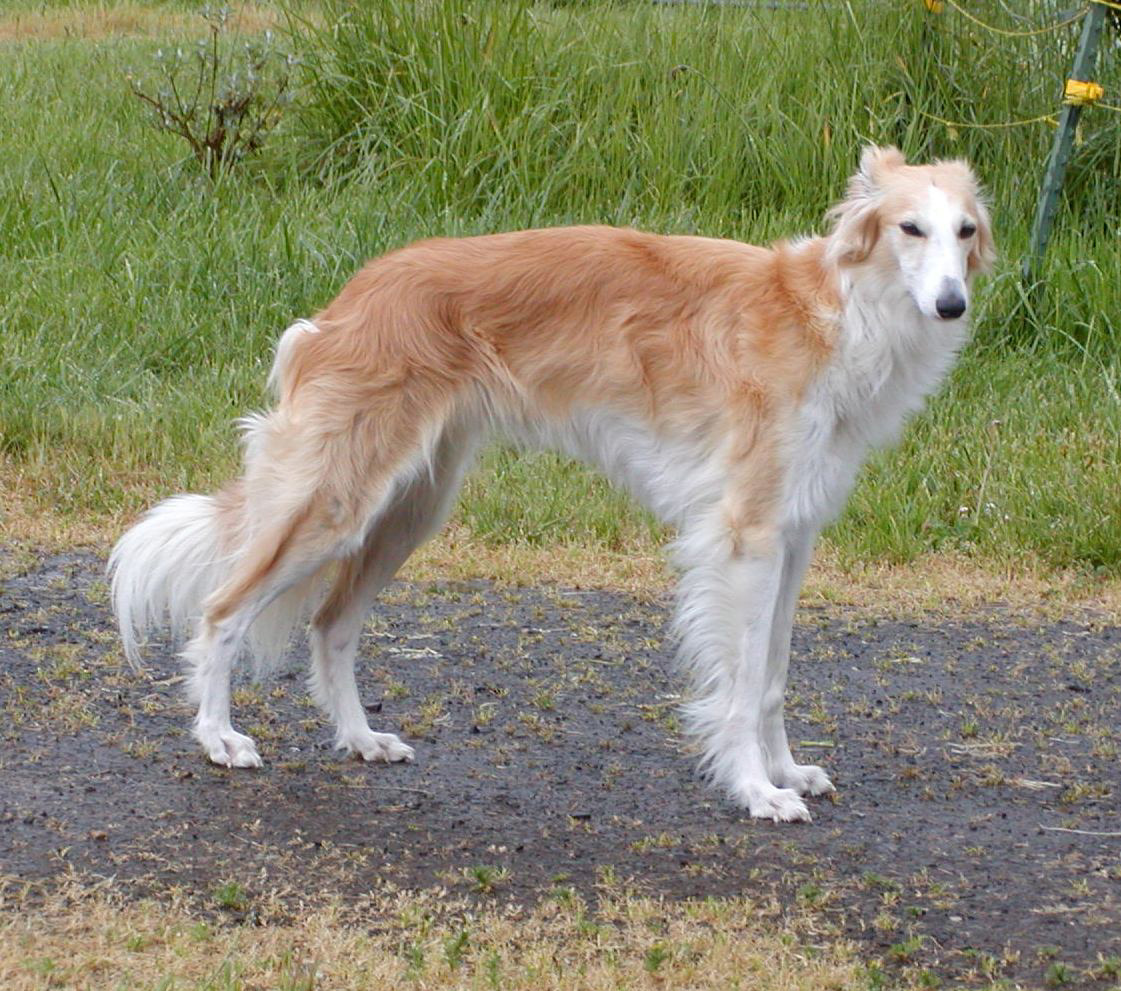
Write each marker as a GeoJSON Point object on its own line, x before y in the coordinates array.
{"type": "Point", "coordinates": [166, 566]}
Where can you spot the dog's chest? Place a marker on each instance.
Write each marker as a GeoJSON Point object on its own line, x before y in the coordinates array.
{"type": "Point", "coordinates": [823, 468]}
{"type": "Point", "coordinates": [845, 415]}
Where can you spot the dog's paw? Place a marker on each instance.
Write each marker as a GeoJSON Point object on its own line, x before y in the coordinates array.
{"type": "Point", "coordinates": [229, 748]}
{"type": "Point", "coordinates": [371, 746]}
{"type": "Point", "coordinates": [776, 804]}
{"type": "Point", "coordinates": [805, 779]}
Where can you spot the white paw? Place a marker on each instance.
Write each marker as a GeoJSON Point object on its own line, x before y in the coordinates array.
{"type": "Point", "coordinates": [805, 779]}
{"type": "Point", "coordinates": [777, 804]}
{"type": "Point", "coordinates": [229, 748]}
{"type": "Point", "coordinates": [371, 746]}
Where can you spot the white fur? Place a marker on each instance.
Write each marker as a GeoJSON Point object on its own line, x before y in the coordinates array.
{"type": "Point", "coordinates": [163, 568]}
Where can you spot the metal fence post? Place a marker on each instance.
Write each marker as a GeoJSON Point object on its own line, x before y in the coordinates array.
{"type": "Point", "coordinates": [1064, 138]}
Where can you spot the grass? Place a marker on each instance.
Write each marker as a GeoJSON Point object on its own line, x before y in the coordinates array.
{"type": "Point", "coordinates": [141, 300]}
{"type": "Point", "coordinates": [39, 20]}
{"type": "Point", "coordinates": [430, 939]}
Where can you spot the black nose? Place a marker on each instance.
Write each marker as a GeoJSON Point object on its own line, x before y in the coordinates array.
{"type": "Point", "coordinates": [950, 305]}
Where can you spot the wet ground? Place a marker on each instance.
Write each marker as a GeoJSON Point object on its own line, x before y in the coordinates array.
{"type": "Point", "coordinates": [975, 831]}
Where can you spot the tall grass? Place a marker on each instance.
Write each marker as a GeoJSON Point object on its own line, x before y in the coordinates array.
{"type": "Point", "coordinates": [141, 300]}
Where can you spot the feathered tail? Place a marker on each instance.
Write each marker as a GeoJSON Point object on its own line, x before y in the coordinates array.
{"type": "Point", "coordinates": [180, 552]}
{"type": "Point", "coordinates": [166, 566]}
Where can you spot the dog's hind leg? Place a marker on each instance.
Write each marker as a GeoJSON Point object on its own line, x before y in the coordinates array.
{"type": "Point", "coordinates": [315, 488]}
{"type": "Point", "coordinates": [417, 512]}
{"type": "Point", "coordinates": [276, 561]}
{"type": "Point", "coordinates": [805, 779]}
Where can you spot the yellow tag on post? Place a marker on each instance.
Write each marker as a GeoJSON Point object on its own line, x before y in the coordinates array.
{"type": "Point", "coordinates": [1081, 93]}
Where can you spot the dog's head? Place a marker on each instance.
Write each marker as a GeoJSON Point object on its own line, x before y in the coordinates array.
{"type": "Point", "coordinates": [928, 222]}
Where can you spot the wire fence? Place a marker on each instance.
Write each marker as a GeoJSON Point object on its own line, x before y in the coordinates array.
{"type": "Point", "coordinates": [956, 76]}
{"type": "Point", "coordinates": [1053, 39]}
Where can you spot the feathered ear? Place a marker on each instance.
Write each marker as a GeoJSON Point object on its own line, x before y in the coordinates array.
{"type": "Point", "coordinates": [856, 230]}
{"type": "Point", "coordinates": [875, 163]}
{"type": "Point", "coordinates": [983, 253]}
{"type": "Point", "coordinates": [857, 218]}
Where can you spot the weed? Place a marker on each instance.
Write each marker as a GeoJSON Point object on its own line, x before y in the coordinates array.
{"type": "Point", "coordinates": [661, 841]}
{"type": "Point", "coordinates": [878, 882]}
{"type": "Point", "coordinates": [810, 893]}
{"type": "Point", "coordinates": [231, 896]}
{"type": "Point", "coordinates": [141, 749]}
{"type": "Point", "coordinates": [455, 947]}
{"type": "Point", "coordinates": [414, 959]}
{"type": "Point", "coordinates": [484, 714]}
{"type": "Point", "coordinates": [1109, 968]}
{"type": "Point", "coordinates": [657, 955]}
{"type": "Point", "coordinates": [200, 932]}
{"type": "Point", "coordinates": [539, 727]}
{"type": "Point", "coordinates": [905, 951]}
{"type": "Point", "coordinates": [492, 965]}
{"type": "Point", "coordinates": [224, 104]}
{"type": "Point", "coordinates": [486, 880]}
{"type": "Point", "coordinates": [545, 699]}
{"type": "Point", "coordinates": [395, 689]}
{"type": "Point", "coordinates": [1058, 975]}
{"type": "Point", "coordinates": [875, 978]}
{"type": "Point", "coordinates": [885, 922]}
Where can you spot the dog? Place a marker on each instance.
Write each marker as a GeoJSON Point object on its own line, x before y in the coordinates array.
{"type": "Point", "coordinates": [734, 390]}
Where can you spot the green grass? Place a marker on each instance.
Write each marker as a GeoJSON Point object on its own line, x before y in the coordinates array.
{"type": "Point", "coordinates": [140, 301]}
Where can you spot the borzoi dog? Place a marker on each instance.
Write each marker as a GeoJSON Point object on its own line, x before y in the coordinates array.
{"type": "Point", "coordinates": [733, 389]}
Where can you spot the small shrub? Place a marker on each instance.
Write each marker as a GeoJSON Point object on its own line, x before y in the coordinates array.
{"type": "Point", "coordinates": [1058, 975]}
{"type": "Point", "coordinates": [657, 955]}
{"type": "Point", "coordinates": [455, 948]}
{"type": "Point", "coordinates": [484, 880]}
{"type": "Point", "coordinates": [221, 99]}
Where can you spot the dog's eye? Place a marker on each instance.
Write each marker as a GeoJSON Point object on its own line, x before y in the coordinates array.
{"type": "Point", "coordinates": [910, 229]}
{"type": "Point", "coordinates": [967, 231]}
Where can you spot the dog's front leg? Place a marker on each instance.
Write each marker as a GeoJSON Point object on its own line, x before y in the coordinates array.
{"type": "Point", "coordinates": [806, 779]}
{"type": "Point", "coordinates": [726, 613]}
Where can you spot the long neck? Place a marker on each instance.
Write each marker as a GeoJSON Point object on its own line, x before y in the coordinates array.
{"type": "Point", "coordinates": [889, 356]}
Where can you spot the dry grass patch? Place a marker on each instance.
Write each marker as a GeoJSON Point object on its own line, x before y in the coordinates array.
{"type": "Point", "coordinates": [92, 937]}
{"type": "Point", "coordinates": [125, 19]}
{"type": "Point", "coordinates": [947, 583]}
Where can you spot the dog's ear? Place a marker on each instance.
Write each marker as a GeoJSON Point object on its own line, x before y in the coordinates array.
{"type": "Point", "coordinates": [875, 164]}
{"type": "Point", "coordinates": [856, 230]}
{"type": "Point", "coordinates": [857, 217]}
{"type": "Point", "coordinates": [983, 253]}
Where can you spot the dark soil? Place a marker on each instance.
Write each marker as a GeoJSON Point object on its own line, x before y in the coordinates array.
{"type": "Point", "coordinates": [975, 830]}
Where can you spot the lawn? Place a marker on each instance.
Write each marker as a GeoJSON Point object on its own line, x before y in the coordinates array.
{"type": "Point", "coordinates": [142, 299]}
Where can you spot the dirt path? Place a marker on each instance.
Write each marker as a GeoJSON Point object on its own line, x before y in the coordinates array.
{"type": "Point", "coordinates": [975, 829]}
